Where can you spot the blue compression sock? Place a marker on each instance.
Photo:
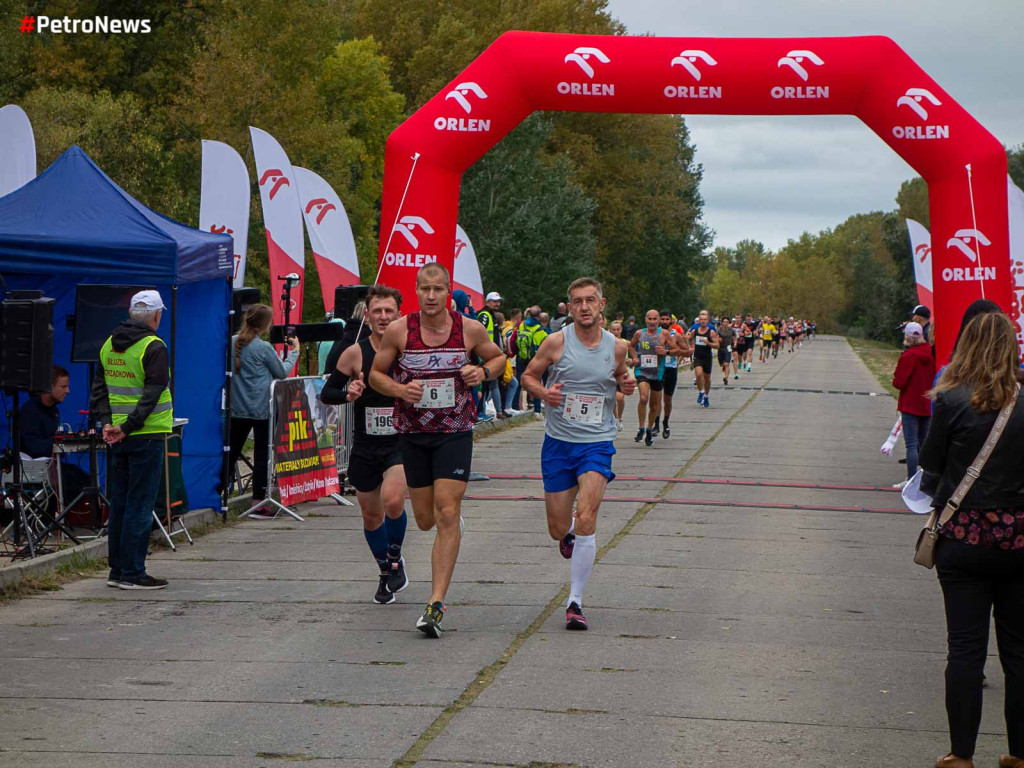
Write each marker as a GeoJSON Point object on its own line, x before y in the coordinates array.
{"type": "Point", "coordinates": [396, 532]}
{"type": "Point", "coordinates": [378, 541]}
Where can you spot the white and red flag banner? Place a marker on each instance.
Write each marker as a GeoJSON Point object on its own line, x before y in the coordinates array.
{"type": "Point", "coordinates": [1016, 215]}
{"type": "Point", "coordinates": [467, 271]}
{"type": "Point", "coordinates": [224, 200]}
{"type": "Point", "coordinates": [330, 234]}
{"type": "Point", "coordinates": [17, 149]}
{"type": "Point", "coordinates": [282, 219]}
{"type": "Point", "coordinates": [921, 250]}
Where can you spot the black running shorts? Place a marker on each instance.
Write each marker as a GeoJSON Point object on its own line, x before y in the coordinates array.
{"type": "Point", "coordinates": [703, 361]}
{"type": "Point", "coordinates": [430, 456]}
{"type": "Point", "coordinates": [724, 356]}
{"type": "Point", "coordinates": [656, 385]}
{"type": "Point", "coordinates": [669, 379]}
{"type": "Point", "coordinates": [369, 461]}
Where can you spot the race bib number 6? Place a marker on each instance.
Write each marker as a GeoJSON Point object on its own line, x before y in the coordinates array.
{"type": "Point", "coordinates": [380, 421]}
{"type": "Point", "coordinates": [584, 409]}
{"type": "Point", "coordinates": [437, 393]}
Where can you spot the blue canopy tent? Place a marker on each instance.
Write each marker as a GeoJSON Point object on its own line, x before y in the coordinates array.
{"type": "Point", "coordinates": [73, 224]}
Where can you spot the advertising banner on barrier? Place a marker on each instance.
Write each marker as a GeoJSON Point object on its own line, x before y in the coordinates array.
{"type": "Point", "coordinates": [304, 438]}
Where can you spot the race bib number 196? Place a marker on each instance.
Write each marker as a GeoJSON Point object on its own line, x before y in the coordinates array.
{"type": "Point", "coordinates": [380, 421]}
{"type": "Point", "coordinates": [584, 409]}
{"type": "Point", "coordinates": [437, 393]}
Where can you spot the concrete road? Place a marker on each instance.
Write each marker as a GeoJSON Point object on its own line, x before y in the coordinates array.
{"type": "Point", "coordinates": [730, 624]}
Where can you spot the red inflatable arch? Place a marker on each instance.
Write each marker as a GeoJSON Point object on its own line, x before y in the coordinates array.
{"type": "Point", "coordinates": [870, 77]}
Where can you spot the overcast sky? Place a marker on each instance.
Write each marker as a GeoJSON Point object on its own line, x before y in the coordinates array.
{"type": "Point", "coordinates": [771, 178]}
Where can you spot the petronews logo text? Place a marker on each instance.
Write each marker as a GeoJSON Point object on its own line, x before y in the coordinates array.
{"type": "Point", "coordinates": [96, 25]}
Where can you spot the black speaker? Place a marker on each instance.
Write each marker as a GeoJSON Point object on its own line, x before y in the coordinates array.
{"type": "Point", "coordinates": [345, 299]}
{"type": "Point", "coordinates": [241, 300]}
{"type": "Point", "coordinates": [26, 344]}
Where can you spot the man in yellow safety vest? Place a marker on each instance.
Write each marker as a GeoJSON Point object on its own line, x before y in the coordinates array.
{"type": "Point", "coordinates": [130, 397]}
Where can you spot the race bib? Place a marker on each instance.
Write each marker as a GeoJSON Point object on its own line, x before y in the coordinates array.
{"type": "Point", "coordinates": [648, 361]}
{"type": "Point", "coordinates": [584, 409]}
{"type": "Point", "coordinates": [437, 393]}
{"type": "Point", "coordinates": [380, 422]}
{"type": "Point", "coordinates": [700, 341]}
{"type": "Point", "coordinates": [729, 348]}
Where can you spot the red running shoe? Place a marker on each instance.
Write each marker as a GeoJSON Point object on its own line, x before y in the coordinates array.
{"type": "Point", "coordinates": [574, 618]}
{"type": "Point", "coordinates": [566, 545]}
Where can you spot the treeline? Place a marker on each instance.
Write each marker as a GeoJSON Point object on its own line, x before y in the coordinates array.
{"type": "Point", "coordinates": [857, 278]}
{"type": "Point", "coordinates": [563, 195]}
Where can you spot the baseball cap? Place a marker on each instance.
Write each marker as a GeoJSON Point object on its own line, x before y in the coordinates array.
{"type": "Point", "coordinates": [913, 329]}
{"type": "Point", "coordinates": [147, 300]}
{"type": "Point", "coordinates": [923, 311]}
{"type": "Point", "coordinates": [493, 296]}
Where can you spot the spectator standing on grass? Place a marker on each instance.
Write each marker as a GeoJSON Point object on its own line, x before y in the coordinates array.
{"type": "Point", "coordinates": [979, 557]}
{"type": "Point", "coordinates": [254, 365]}
{"type": "Point", "coordinates": [913, 377]}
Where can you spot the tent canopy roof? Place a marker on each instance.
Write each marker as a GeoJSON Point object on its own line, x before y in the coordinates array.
{"type": "Point", "coordinates": [73, 219]}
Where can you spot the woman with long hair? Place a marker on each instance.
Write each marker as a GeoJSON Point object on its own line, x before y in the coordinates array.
{"type": "Point", "coordinates": [254, 364]}
{"type": "Point", "coordinates": [980, 553]}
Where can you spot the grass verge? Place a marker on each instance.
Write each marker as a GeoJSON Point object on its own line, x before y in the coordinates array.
{"type": "Point", "coordinates": [880, 358]}
{"type": "Point", "coordinates": [77, 567]}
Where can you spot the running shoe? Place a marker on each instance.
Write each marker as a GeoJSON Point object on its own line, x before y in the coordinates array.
{"type": "Point", "coordinates": [657, 424]}
{"type": "Point", "coordinates": [143, 582]}
{"type": "Point", "coordinates": [700, 398]}
{"type": "Point", "coordinates": [486, 417]}
{"type": "Point", "coordinates": [639, 435]}
{"type": "Point", "coordinates": [665, 432]}
{"type": "Point", "coordinates": [430, 622]}
{"type": "Point", "coordinates": [574, 618]}
{"type": "Point", "coordinates": [649, 438]}
{"type": "Point", "coordinates": [566, 545]}
{"type": "Point", "coordinates": [725, 380]}
{"type": "Point", "coordinates": [618, 424]}
{"type": "Point", "coordinates": [397, 578]}
{"type": "Point", "coordinates": [901, 486]}
{"type": "Point", "coordinates": [384, 595]}
{"type": "Point", "coordinates": [707, 402]}
{"type": "Point", "coordinates": [735, 375]}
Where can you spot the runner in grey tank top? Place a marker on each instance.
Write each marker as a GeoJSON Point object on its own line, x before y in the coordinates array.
{"type": "Point", "coordinates": [587, 364]}
{"type": "Point", "coordinates": [588, 384]}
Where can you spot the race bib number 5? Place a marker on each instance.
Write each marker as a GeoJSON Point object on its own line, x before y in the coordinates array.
{"type": "Point", "coordinates": [380, 421]}
{"type": "Point", "coordinates": [437, 393]}
{"type": "Point", "coordinates": [584, 409]}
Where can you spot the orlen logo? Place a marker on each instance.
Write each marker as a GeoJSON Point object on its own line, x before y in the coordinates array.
{"type": "Point", "coordinates": [406, 227]}
{"type": "Point", "coordinates": [962, 242]}
{"type": "Point", "coordinates": [279, 179]}
{"type": "Point", "coordinates": [795, 61]}
{"type": "Point", "coordinates": [914, 99]}
{"type": "Point", "coordinates": [460, 94]}
{"type": "Point", "coordinates": [688, 61]}
{"type": "Point", "coordinates": [322, 208]}
{"type": "Point", "coordinates": [581, 58]}
{"type": "Point", "coordinates": [923, 252]}
{"type": "Point", "coordinates": [460, 246]}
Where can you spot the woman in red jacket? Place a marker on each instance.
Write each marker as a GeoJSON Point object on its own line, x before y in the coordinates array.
{"type": "Point", "coordinates": [914, 376]}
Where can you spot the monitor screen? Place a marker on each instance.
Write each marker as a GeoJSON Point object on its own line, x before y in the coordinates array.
{"type": "Point", "coordinates": [99, 309]}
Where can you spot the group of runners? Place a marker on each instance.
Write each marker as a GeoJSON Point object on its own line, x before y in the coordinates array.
{"type": "Point", "coordinates": [411, 381]}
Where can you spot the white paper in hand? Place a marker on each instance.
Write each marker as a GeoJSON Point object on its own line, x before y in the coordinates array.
{"type": "Point", "coordinates": [917, 501]}
{"type": "Point", "coordinates": [894, 435]}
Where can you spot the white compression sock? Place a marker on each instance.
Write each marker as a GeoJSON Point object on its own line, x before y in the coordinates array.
{"type": "Point", "coordinates": [582, 563]}
{"type": "Point", "coordinates": [572, 525]}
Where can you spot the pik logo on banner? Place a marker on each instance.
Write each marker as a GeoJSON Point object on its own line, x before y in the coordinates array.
{"type": "Point", "coordinates": [279, 179]}
{"type": "Point", "coordinates": [322, 206]}
{"type": "Point", "coordinates": [914, 99]}
{"type": "Point", "coordinates": [688, 61]}
{"type": "Point", "coordinates": [460, 94]}
{"type": "Point", "coordinates": [581, 58]}
{"type": "Point", "coordinates": [962, 242]}
{"type": "Point", "coordinates": [407, 224]}
{"type": "Point", "coordinates": [794, 60]}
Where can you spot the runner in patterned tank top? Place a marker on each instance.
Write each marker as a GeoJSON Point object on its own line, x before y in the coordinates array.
{"type": "Point", "coordinates": [375, 466]}
{"type": "Point", "coordinates": [586, 366]}
{"type": "Point", "coordinates": [434, 415]}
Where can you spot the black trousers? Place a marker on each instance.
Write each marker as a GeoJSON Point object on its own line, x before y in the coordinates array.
{"type": "Point", "coordinates": [977, 581]}
{"type": "Point", "coordinates": [240, 429]}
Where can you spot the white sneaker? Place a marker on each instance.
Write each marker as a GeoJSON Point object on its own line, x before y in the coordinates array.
{"type": "Point", "coordinates": [618, 424]}
{"type": "Point", "coordinates": [901, 486]}
{"type": "Point", "coordinates": [540, 416]}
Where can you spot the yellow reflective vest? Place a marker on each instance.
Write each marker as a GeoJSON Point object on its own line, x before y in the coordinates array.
{"type": "Point", "coordinates": [125, 379]}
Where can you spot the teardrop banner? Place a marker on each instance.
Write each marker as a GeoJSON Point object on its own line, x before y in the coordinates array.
{"type": "Point", "coordinates": [869, 77]}
{"type": "Point", "coordinates": [224, 200]}
{"type": "Point", "coordinates": [17, 149]}
{"type": "Point", "coordinates": [466, 274]}
{"type": "Point", "coordinates": [921, 253]}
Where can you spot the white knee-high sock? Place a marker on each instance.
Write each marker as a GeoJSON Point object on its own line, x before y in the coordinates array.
{"type": "Point", "coordinates": [582, 563]}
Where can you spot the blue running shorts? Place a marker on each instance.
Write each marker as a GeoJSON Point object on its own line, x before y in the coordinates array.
{"type": "Point", "coordinates": [562, 463]}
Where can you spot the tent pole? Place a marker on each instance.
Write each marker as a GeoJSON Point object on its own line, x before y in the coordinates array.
{"type": "Point", "coordinates": [174, 339]}
{"type": "Point", "coordinates": [226, 468]}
